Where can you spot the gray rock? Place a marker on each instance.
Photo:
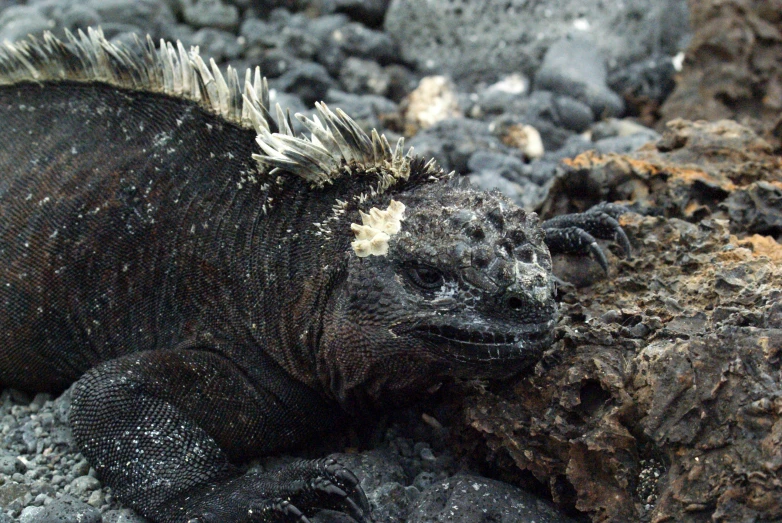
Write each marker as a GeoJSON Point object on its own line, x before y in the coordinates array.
{"type": "Point", "coordinates": [363, 76]}
{"type": "Point", "coordinates": [575, 67]}
{"type": "Point", "coordinates": [524, 193]}
{"type": "Point", "coordinates": [573, 114]}
{"type": "Point", "coordinates": [31, 515]}
{"type": "Point", "coordinates": [453, 141]}
{"type": "Point", "coordinates": [17, 21]}
{"type": "Point", "coordinates": [11, 491]}
{"type": "Point", "coordinates": [480, 41]}
{"type": "Point", "coordinates": [625, 144]}
{"type": "Point", "coordinates": [369, 111]}
{"type": "Point", "coordinates": [210, 13]}
{"type": "Point", "coordinates": [354, 39]}
{"type": "Point", "coordinates": [63, 510]}
{"type": "Point", "coordinates": [5, 518]}
{"type": "Point", "coordinates": [122, 516]}
{"type": "Point", "coordinates": [259, 33]}
{"type": "Point", "coordinates": [470, 499]}
{"type": "Point", "coordinates": [505, 165]}
{"type": "Point", "coordinates": [9, 465]}
{"type": "Point", "coordinates": [215, 43]}
{"type": "Point", "coordinates": [84, 484]}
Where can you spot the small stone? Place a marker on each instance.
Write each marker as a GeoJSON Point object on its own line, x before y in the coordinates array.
{"type": "Point", "coordinates": [10, 464]}
{"type": "Point", "coordinates": [574, 67]}
{"type": "Point", "coordinates": [95, 499]}
{"type": "Point", "coordinates": [308, 80]}
{"type": "Point", "coordinates": [65, 510]}
{"type": "Point", "coordinates": [432, 101]}
{"type": "Point", "coordinates": [84, 484]}
{"type": "Point", "coordinates": [11, 491]}
{"type": "Point", "coordinates": [81, 468]}
{"type": "Point", "coordinates": [32, 515]}
{"type": "Point", "coordinates": [122, 516]}
{"type": "Point", "coordinates": [210, 13]}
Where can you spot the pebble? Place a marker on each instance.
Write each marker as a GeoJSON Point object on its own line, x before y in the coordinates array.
{"type": "Point", "coordinates": [308, 80]}
{"type": "Point", "coordinates": [574, 67]}
{"type": "Point", "coordinates": [434, 100]}
{"type": "Point", "coordinates": [210, 13]}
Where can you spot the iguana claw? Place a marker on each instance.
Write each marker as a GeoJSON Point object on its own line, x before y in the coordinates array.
{"type": "Point", "coordinates": [576, 233]}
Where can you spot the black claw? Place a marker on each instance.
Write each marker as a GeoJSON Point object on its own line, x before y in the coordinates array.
{"type": "Point", "coordinates": [327, 487]}
{"type": "Point", "coordinates": [282, 510]}
{"type": "Point", "coordinates": [576, 233]}
{"type": "Point", "coordinates": [599, 256]}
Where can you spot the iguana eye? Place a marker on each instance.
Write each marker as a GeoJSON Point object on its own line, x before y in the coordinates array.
{"type": "Point", "coordinates": [425, 276]}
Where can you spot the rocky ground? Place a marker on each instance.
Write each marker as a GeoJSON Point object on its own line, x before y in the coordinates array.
{"type": "Point", "coordinates": [660, 400]}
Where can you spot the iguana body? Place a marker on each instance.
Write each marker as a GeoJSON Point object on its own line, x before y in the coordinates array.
{"type": "Point", "coordinates": [214, 307]}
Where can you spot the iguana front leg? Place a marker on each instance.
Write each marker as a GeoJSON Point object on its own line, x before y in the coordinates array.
{"type": "Point", "coordinates": [163, 429]}
{"type": "Point", "coordinates": [576, 233]}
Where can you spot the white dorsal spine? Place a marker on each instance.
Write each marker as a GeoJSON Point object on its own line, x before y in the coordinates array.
{"type": "Point", "coordinates": [336, 142]}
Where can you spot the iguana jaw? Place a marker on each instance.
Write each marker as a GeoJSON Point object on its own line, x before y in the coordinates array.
{"type": "Point", "coordinates": [468, 344]}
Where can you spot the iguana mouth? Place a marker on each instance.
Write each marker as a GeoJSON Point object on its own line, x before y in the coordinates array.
{"type": "Point", "coordinates": [474, 344]}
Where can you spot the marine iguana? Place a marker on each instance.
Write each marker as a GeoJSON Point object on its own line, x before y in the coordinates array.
{"type": "Point", "coordinates": [220, 288]}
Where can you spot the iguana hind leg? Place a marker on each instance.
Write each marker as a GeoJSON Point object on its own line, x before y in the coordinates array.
{"type": "Point", "coordinates": [163, 429]}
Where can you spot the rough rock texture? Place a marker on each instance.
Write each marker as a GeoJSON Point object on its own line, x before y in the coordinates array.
{"type": "Point", "coordinates": [662, 398]}
{"type": "Point", "coordinates": [732, 66]}
{"type": "Point", "coordinates": [484, 40]}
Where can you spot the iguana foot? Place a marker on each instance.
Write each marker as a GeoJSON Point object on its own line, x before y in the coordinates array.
{"type": "Point", "coordinates": [576, 233]}
{"type": "Point", "coordinates": [288, 495]}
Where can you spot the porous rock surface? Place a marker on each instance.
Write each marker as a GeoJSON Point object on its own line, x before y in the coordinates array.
{"type": "Point", "coordinates": [662, 398]}
{"type": "Point", "coordinates": [731, 67]}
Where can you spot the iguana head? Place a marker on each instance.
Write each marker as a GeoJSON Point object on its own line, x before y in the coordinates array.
{"type": "Point", "coordinates": [464, 287]}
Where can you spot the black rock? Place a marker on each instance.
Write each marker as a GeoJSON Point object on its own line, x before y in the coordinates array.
{"type": "Point", "coordinates": [259, 33]}
{"type": "Point", "coordinates": [215, 43]}
{"type": "Point", "coordinates": [573, 114]}
{"type": "Point", "coordinates": [363, 76]}
{"type": "Point", "coordinates": [63, 510]}
{"type": "Point", "coordinates": [574, 67]}
{"type": "Point", "coordinates": [453, 141]}
{"type": "Point", "coordinates": [369, 111]}
{"type": "Point", "coordinates": [650, 80]}
{"type": "Point", "coordinates": [354, 39]}
{"type": "Point", "coordinates": [468, 499]}
{"type": "Point", "coordinates": [508, 166]}
{"type": "Point", "coordinates": [307, 80]}
{"type": "Point", "coordinates": [275, 62]}
{"type": "Point", "coordinates": [401, 81]}
{"type": "Point", "coordinates": [368, 12]}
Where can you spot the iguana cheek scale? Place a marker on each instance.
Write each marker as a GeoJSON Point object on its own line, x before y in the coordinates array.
{"type": "Point", "coordinates": [221, 288]}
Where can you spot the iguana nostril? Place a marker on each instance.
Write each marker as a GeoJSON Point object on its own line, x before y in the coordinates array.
{"type": "Point", "coordinates": [514, 302]}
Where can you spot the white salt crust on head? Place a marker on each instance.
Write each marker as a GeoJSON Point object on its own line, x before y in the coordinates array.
{"type": "Point", "coordinates": [376, 230]}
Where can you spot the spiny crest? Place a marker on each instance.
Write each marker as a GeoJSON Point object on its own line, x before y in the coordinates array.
{"type": "Point", "coordinates": [337, 144]}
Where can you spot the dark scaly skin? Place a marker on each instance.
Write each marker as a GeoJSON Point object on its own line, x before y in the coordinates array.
{"type": "Point", "coordinates": [135, 257]}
